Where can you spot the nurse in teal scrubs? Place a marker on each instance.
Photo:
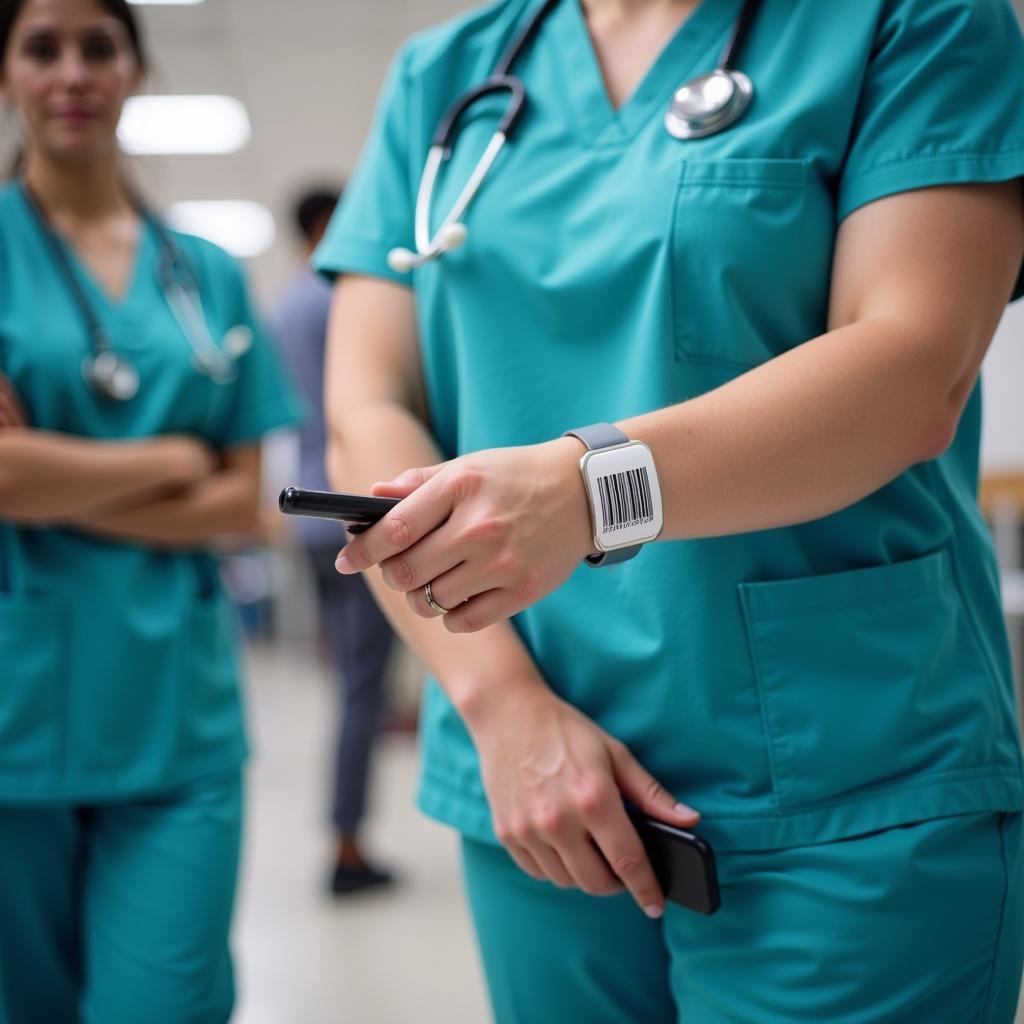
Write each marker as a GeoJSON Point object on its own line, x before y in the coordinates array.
{"type": "Point", "coordinates": [809, 666]}
{"type": "Point", "coordinates": [121, 730]}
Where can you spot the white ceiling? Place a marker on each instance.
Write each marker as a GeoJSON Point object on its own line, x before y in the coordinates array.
{"type": "Point", "coordinates": [307, 70]}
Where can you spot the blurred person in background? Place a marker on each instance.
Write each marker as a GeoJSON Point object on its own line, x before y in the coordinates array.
{"type": "Point", "coordinates": [783, 323]}
{"type": "Point", "coordinates": [356, 635]}
{"type": "Point", "coordinates": [135, 384]}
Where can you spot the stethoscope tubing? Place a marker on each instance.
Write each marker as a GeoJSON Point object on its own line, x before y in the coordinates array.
{"type": "Point", "coordinates": [181, 291]}
{"type": "Point", "coordinates": [451, 233]}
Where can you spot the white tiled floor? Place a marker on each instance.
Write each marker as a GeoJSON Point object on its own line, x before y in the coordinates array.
{"type": "Point", "coordinates": [404, 955]}
{"type": "Point", "coordinates": [388, 957]}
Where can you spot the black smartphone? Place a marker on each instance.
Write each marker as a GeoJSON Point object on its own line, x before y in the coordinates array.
{"type": "Point", "coordinates": [683, 863]}
{"type": "Point", "coordinates": [358, 511]}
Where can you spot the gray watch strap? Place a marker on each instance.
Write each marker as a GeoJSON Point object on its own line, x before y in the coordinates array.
{"type": "Point", "coordinates": [596, 436]}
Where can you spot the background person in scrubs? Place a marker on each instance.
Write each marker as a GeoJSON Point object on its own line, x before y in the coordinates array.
{"type": "Point", "coordinates": [121, 734]}
{"type": "Point", "coordinates": [357, 637]}
{"type": "Point", "coordinates": [792, 314]}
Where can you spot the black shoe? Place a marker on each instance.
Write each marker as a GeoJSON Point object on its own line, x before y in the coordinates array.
{"type": "Point", "coordinates": [346, 880]}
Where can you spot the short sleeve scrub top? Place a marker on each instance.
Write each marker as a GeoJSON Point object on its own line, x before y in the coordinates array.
{"type": "Point", "coordinates": [118, 670]}
{"type": "Point", "coordinates": [796, 685]}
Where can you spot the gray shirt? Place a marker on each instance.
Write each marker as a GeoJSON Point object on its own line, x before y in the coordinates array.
{"type": "Point", "coordinates": [300, 325]}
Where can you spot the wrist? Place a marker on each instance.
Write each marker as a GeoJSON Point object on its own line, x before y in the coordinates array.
{"type": "Point", "coordinates": [484, 701]}
{"type": "Point", "coordinates": [566, 453]}
{"type": "Point", "coordinates": [623, 495]}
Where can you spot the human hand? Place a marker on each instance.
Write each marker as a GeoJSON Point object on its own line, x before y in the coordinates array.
{"type": "Point", "coordinates": [556, 781]}
{"type": "Point", "coordinates": [492, 532]}
{"type": "Point", "coordinates": [12, 409]}
{"type": "Point", "coordinates": [188, 458]}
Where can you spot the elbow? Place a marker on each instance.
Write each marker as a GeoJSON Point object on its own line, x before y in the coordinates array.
{"type": "Point", "coordinates": [939, 431]}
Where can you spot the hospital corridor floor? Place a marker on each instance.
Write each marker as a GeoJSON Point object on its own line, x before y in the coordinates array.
{"type": "Point", "coordinates": [383, 957]}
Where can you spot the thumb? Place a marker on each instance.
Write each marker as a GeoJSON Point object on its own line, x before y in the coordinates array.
{"type": "Point", "coordinates": [405, 483]}
{"type": "Point", "coordinates": [642, 789]}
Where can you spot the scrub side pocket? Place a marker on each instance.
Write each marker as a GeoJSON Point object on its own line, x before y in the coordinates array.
{"type": "Point", "coordinates": [752, 243]}
{"type": "Point", "coordinates": [33, 664]}
{"type": "Point", "coordinates": [870, 677]}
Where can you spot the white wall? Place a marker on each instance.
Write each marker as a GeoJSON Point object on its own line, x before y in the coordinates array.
{"type": "Point", "coordinates": [1002, 446]}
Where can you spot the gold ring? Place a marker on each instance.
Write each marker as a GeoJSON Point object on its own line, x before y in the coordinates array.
{"type": "Point", "coordinates": [440, 609]}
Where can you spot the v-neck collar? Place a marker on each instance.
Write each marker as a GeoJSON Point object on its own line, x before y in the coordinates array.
{"type": "Point", "coordinates": [97, 291]}
{"type": "Point", "coordinates": [101, 299]}
{"type": "Point", "coordinates": [695, 44]}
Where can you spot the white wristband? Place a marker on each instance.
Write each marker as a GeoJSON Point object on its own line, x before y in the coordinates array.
{"type": "Point", "coordinates": [623, 493]}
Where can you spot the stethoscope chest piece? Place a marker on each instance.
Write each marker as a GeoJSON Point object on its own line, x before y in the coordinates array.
{"type": "Point", "coordinates": [221, 364]}
{"type": "Point", "coordinates": [708, 104]}
{"type": "Point", "coordinates": [110, 376]}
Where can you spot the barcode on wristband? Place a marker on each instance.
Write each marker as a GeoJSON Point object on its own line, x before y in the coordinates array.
{"type": "Point", "coordinates": [625, 499]}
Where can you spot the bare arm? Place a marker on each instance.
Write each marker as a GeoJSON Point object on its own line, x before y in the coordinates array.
{"type": "Point", "coordinates": [222, 504]}
{"type": "Point", "coordinates": [920, 280]}
{"type": "Point", "coordinates": [555, 780]}
{"type": "Point", "coordinates": [376, 417]}
{"type": "Point", "coordinates": [46, 476]}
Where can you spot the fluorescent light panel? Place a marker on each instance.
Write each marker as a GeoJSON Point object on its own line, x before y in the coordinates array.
{"type": "Point", "coordinates": [244, 228]}
{"type": "Point", "coordinates": [183, 125]}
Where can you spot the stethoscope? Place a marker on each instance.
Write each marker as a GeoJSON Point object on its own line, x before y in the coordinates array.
{"type": "Point", "coordinates": [112, 376]}
{"type": "Point", "coordinates": [700, 107]}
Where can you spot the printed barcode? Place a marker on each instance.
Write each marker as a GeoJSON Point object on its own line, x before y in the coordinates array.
{"type": "Point", "coordinates": [625, 499]}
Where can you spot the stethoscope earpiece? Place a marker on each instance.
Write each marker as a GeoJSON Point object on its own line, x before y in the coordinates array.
{"type": "Point", "coordinates": [452, 236]}
{"type": "Point", "coordinates": [449, 237]}
{"type": "Point", "coordinates": [237, 341]}
{"type": "Point", "coordinates": [402, 261]}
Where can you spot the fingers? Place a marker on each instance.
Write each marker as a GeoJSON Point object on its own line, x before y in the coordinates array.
{"type": "Point", "coordinates": [650, 796]}
{"type": "Point", "coordinates": [590, 842]}
{"type": "Point", "coordinates": [525, 862]}
{"type": "Point", "coordinates": [405, 483]}
{"type": "Point", "coordinates": [428, 561]}
{"type": "Point", "coordinates": [480, 611]}
{"type": "Point", "coordinates": [551, 865]}
{"type": "Point", "coordinates": [565, 858]}
{"type": "Point", "coordinates": [426, 508]}
{"type": "Point", "coordinates": [448, 591]}
{"type": "Point", "coordinates": [625, 855]}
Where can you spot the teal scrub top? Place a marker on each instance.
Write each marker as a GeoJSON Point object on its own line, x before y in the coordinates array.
{"type": "Point", "coordinates": [118, 668]}
{"type": "Point", "coordinates": [795, 685]}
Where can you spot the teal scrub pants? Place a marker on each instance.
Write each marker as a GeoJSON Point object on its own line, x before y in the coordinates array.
{"type": "Point", "coordinates": [922, 923]}
{"type": "Point", "coordinates": [119, 913]}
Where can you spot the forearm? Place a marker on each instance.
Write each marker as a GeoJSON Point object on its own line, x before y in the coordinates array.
{"type": "Point", "coordinates": [44, 475]}
{"type": "Point", "coordinates": [376, 442]}
{"type": "Point", "coordinates": [802, 436]}
{"type": "Point", "coordinates": [221, 505]}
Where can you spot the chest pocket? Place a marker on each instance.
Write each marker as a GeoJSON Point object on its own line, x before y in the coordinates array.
{"type": "Point", "coordinates": [751, 258]}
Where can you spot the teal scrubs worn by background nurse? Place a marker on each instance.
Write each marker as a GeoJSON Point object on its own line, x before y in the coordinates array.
{"type": "Point", "coordinates": [800, 685]}
{"type": "Point", "coordinates": [120, 688]}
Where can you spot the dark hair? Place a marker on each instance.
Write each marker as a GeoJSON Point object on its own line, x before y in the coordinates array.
{"type": "Point", "coordinates": [120, 9]}
{"type": "Point", "coordinates": [313, 208]}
